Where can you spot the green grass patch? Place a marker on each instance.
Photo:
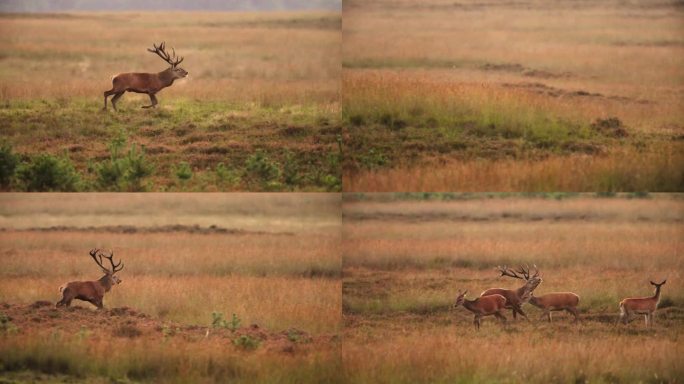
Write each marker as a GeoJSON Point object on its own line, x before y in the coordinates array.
{"type": "Point", "coordinates": [184, 145]}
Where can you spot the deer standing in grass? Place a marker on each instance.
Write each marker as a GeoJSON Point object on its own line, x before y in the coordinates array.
{"type": "Point", "coordinates": [92, 291]}
{"type": "Point", "coordinates": [515, 298]}
{"type": "Point", "coordinates": [556, 301]}
{"type": "Point", "coordinates": [483, 306]}
{"type": "Point", "coordinates": [641, 306]}
{"type": "Point", "coordinates": [149, 83]}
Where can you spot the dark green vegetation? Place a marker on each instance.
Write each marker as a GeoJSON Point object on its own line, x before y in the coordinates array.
{"type": "Point", "coordinates": [182, 146]}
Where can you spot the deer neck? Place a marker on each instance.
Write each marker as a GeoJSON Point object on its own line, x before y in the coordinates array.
{"type": "Point", "coordinates": [657, 294]}
{"type": "Point", "coordinates": [106, 282]}
{"type": "Point", "coordinates": [469, 304]}
{"type": "Point", "coordinates": [167, 77]}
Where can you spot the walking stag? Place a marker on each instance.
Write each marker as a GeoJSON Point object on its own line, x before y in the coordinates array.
{"type": "Point", "coordinates": [515, 298]}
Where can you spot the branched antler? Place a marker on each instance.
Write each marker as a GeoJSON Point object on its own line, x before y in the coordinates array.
{"type": "Point", "coordinates": [160, 50]}
{"type": "Point", "coordinates": [96, 254]}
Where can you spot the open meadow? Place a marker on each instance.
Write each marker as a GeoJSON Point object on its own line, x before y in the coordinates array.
{"type": "Point", "coordinates": [520, 95]}
{"type": "Point", "coordinates": [404, 260]}
{"type": "Point", "coordinates": [244, 288]}
{"type": "Point", "coordinates": [259, 109]}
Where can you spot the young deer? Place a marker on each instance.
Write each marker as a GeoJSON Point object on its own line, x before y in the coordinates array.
{"type": "Point", "coordinates": [92, 291]}
{"type": "Point", "coordinates": [483, 306]}
{"type": "Point", "coordinates": [641, 306]}
{"type": "Point", "coordinates": [556, 301]}
{"type": "Point", "coordinates": [515, 298]}
{"type": "Point", "coordinates": [149, 83]}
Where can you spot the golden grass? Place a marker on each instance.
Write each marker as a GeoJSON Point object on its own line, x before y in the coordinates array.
{"type": "Point", "coordinates": [405, 261]}
{"type": "Point", "coordinates": [418, 98]}
{"type": "Point", "coordinates": [241, 57]}
{"type": "Point", "coordinates": [283, 272]}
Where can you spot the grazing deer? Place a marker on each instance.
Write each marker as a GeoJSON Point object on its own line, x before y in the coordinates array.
{"type": "Point", "coordinates": [515, 298]}
{"type": "Point", "coordinates": [149, 83]}
{"type": "Point", "coordinates": [483, 306]}
{"type": "Point", "coordinates": [92, 291]}
{"type": "Point", "coordinates": [556, 301]}
{"type": "Point", "coordinates": [641, 306]}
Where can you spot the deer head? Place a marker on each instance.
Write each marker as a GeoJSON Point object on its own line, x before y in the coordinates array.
{"type": "Point", "coordinates": [460, 298]}
{"type": "Point", "coordinates": [109, 273]}
{"type": "Point", "coordinates": [523, 273]}
{"type": "Point", "coordinates": [160, 51]}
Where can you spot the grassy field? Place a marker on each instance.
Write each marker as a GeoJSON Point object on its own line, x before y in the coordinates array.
{"type": "Point", "coordinates": [512, 96]}
{"type": "Point", "coordinates": [271, 259]}
{"type": "Point", "coordinates": [258, 111]}
{"type": "Point", "coordinates": [404, 261]}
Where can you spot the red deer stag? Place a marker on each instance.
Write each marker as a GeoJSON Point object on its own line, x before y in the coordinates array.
{"type": "Point", "coordinates": [641, 306]}
{"type": "Point", "coordinates": [92, 291]}
{"type": "Point", "coordinates": [149, 83]}
{"type": "Point", "coordinates": [515, 298]}
{"type": "Point", "coordinates": [483, 306]}
{"type": "Point", "coordinates": [556, 301]}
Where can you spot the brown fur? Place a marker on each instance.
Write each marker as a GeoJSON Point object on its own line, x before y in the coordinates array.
{"type": "Point", "coordinates": [483, 306]}
{"type": "Point", "coordinates": [641, 306]}
{"type": "Point", "coordinates": [556, 301]}
{"type": "Point", "coordinates": [515, 298]}
{"type": "Point", "coordinates": [90, 291]}
{"type": "Point", "coordinates": [149, 83]}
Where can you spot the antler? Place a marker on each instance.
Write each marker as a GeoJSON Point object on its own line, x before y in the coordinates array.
{"type": "Point", "coordinates": [95, 254]}
{"type": "Point", "coordinates": [507, 272]}
{"type": "Point", "coordinates": [161, 52]}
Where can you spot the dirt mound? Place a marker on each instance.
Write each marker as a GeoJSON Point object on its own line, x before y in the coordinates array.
{"type": "Point", "coordinates": [611, 127]}
{"type": "Point", "coordinates": [42, 317]}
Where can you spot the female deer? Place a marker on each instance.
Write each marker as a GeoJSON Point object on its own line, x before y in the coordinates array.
{"type": "Point", "coordinates": [92, 291]}
{"type": "Point", "coordinates": [482, 306]}
{"type": "Point", "coordinates": [641, 306]}
{"type": "Point", "coordinates": [556, 301]}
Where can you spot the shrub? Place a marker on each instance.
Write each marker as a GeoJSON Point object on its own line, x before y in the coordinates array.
{"type": "Point", "coordinates": [183, 171]}
{"type": "Point", "coordinates": [261, 171]}
{"type": "Point", "coordinates": [247, 342]}
{"type": "Point", "coordinates": [123, 173]}
{"type": "Point", "coordinates": [45, 173]}
{"type": "Point", "coordinates": [8, 165]}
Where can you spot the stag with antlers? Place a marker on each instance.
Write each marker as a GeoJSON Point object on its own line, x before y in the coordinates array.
{"type": "Point", "coordinates": [515, 298]}
{"type": "Point", "coordinates": [149, 83]}
{"type": "Point", "coordinates": [92, 291]}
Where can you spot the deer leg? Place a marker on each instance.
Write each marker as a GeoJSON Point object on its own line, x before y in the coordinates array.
{"type": "Point", "coordinates": [548, 315]}
{"type": "Point", "coordinates": [153, 99]}
{"type": "Point", "coordinates": [520, 311]}
{"type": "Point", "coordinates": [115, 98]}
{"type": "Point", "coordinates": [106, 95]}
{"type": "Point", "coordinates": [515, 315]}
{"type": "Point", "coordinates": [501, 317]}
{"type": "Point", "coordinates": [573, 311]}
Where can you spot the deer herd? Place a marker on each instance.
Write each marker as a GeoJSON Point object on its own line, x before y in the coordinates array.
{"type": "Point", "coordinates": [493, 301]}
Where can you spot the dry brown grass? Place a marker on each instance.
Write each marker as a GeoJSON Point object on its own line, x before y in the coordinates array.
{"type": "Point", "coordinates": [240, 57]}
{"type": "Point", "coordinates": [624, 169]}
{"type": "Point", "coordinates": [537, 74]}
{"type": "Point", "coordinates": [405, 260]}
{"type": "Point", "coordinates": [282, 271]}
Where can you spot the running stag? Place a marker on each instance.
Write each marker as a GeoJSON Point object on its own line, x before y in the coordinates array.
{"type": "Point", "coordinates": [149, 83]}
